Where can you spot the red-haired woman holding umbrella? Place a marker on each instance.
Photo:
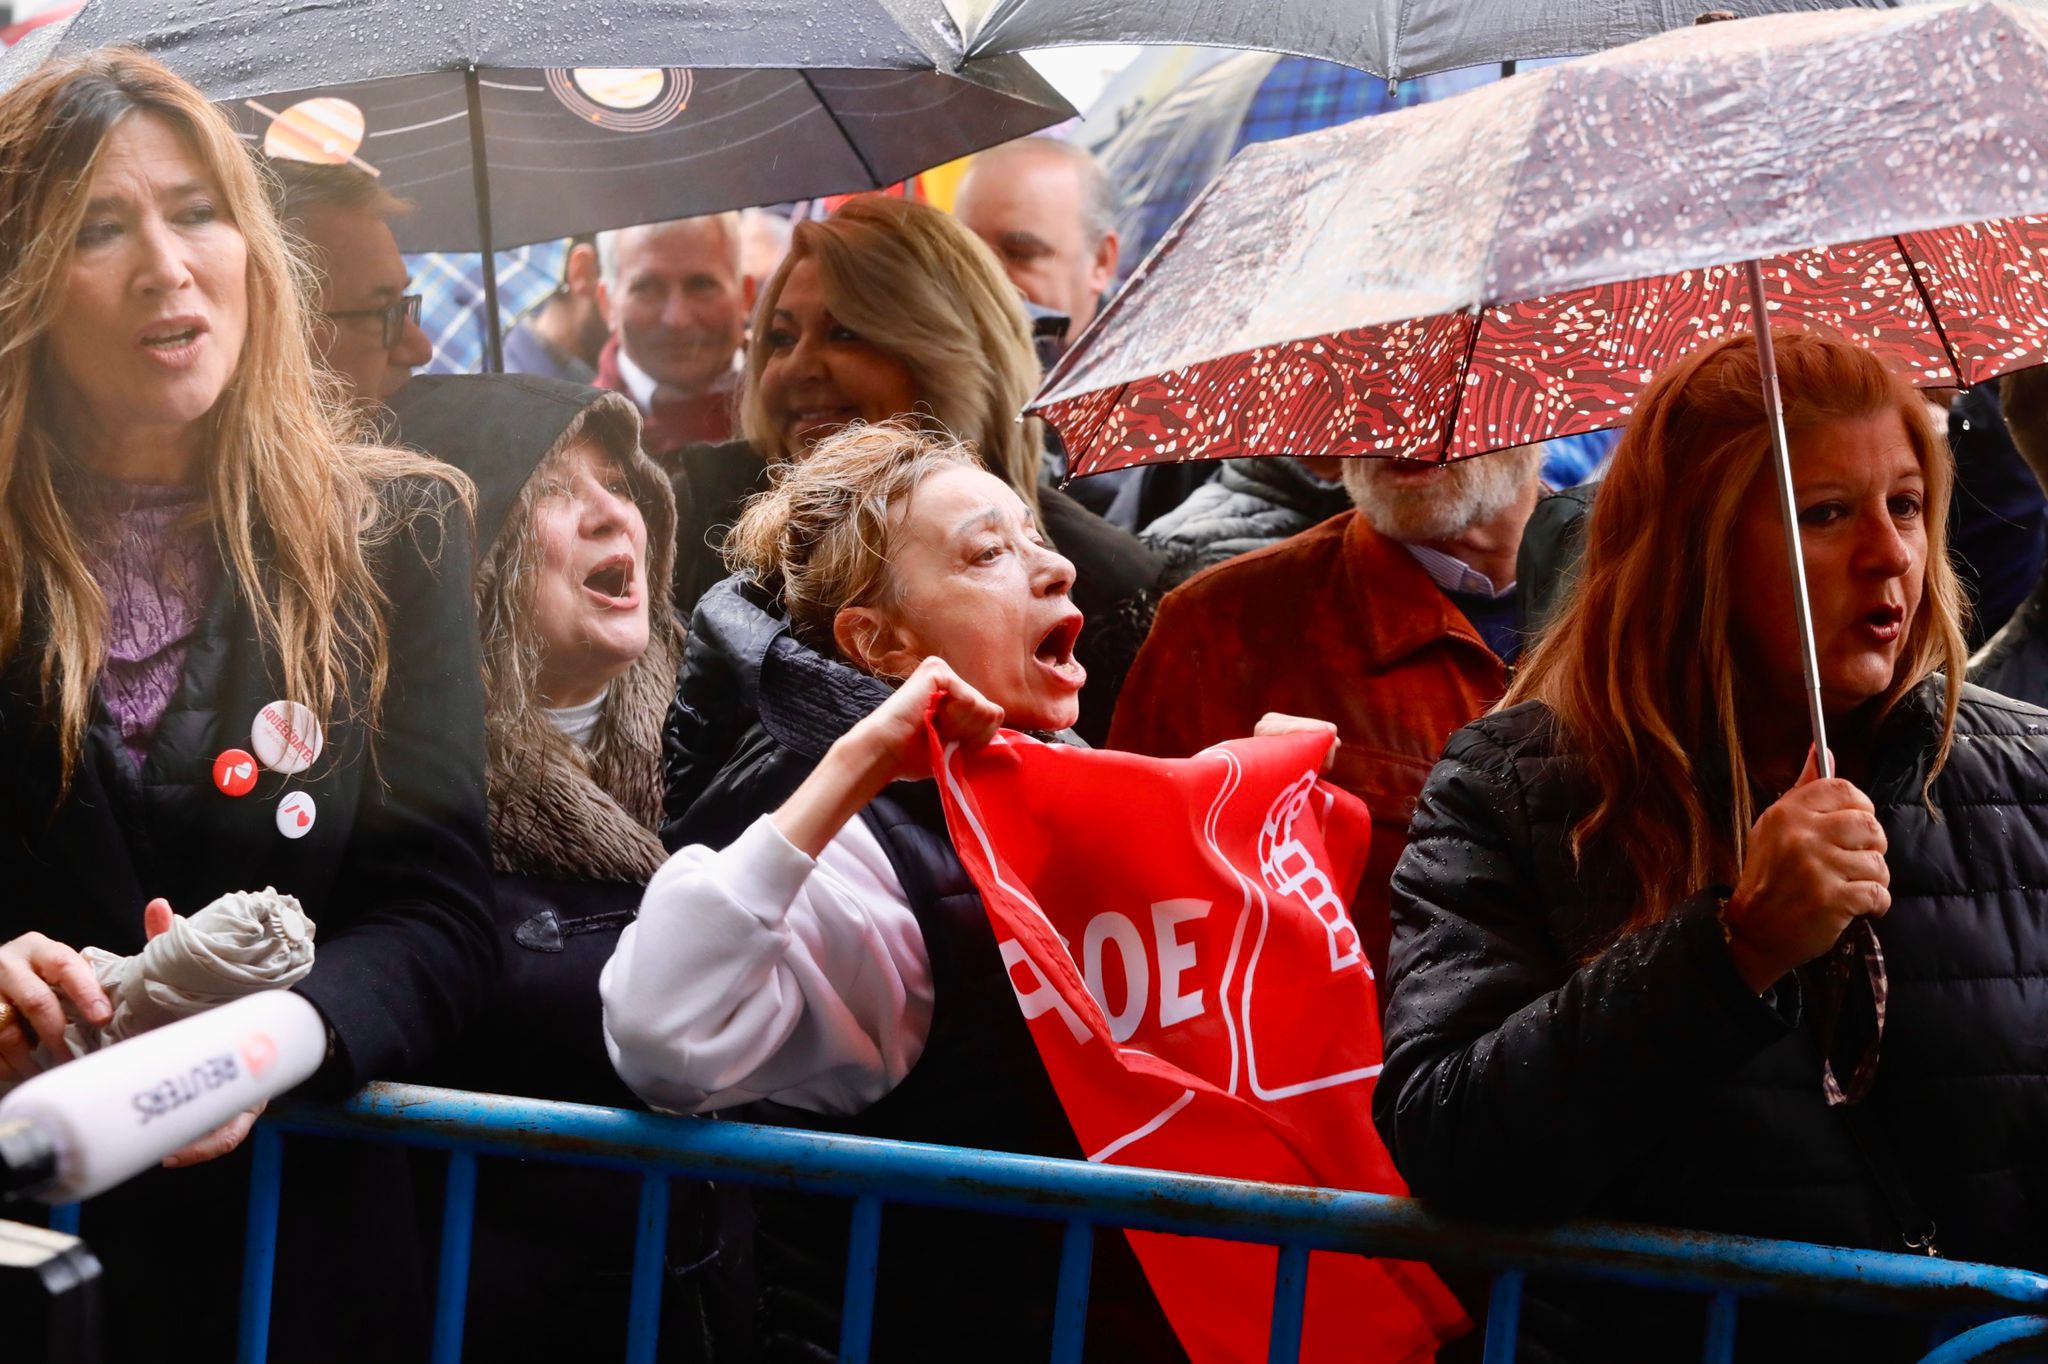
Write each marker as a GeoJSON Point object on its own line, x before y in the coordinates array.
{"type": "Point", "coordinates": [1614, 985]}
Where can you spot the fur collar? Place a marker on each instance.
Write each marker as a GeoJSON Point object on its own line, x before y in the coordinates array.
{"type": "Point", "coordinates": [590, 815]}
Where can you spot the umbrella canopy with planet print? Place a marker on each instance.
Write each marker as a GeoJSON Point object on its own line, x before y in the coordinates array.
{"type": "Point", "coordinates": [572, 149]}
{"type": "Point", "coordinates": [515, 123]}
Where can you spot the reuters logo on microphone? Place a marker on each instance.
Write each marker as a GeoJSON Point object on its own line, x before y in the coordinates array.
{"type": "Point", "coordinates": [259, 1053]}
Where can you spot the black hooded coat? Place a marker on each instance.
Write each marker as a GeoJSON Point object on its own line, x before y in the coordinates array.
{"type": "Point", "coordinates": [572, 844]}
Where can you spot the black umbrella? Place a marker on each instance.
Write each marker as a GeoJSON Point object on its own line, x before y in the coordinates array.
{"type": "Point", "coordinates": [515, 121]}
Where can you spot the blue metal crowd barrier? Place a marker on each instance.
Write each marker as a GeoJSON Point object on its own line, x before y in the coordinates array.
{"type": "Point", "coordinates": [1971, 1309]}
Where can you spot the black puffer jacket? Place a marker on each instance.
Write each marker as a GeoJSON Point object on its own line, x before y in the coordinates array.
{"type": "Point", "coordinates": [1650, 1085]}
{"type": "Point", "coordinates": [1552, 541]}
{"type": "Point", "coordinates": [1250, 504]}
{"type": "Point", "coordinates": [737, 646]}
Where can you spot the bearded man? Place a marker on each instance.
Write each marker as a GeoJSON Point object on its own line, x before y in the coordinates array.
{"type": "Point", "coordinates": [1396, 621]}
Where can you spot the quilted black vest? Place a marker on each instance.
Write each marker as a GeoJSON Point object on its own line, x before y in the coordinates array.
{"type": "Point", "coordinates": [756, 713]}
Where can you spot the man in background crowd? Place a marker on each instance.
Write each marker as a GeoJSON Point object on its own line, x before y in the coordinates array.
{"type": "Point", "coordinates": [366, 327]}
{"type": "Point", "coordinates": [1047, 210]}
{"type": "Point", "coordinates": [563, 337]}
{"type": "Point", "coordinates": [1049, 213]}
{"type": "Point", "coordinates": [1396, 621]}
{"type": "Point", "coordinates": [676, 301]}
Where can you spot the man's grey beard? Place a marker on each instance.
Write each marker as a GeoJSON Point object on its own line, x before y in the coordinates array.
{"type": "Point", "coordinates": [1472, 492]}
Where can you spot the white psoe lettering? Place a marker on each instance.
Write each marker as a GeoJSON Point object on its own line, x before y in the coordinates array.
{"type": "Point", "coordinates": [1174, 957]}
{"type": "Point", "coordinates": [1041, 995]}
{"type": "Point", "coordinates": [1130, 948]}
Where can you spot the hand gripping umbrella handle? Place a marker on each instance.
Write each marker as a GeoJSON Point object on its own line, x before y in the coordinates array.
{"type": "Point", "coordinates": [1860, 943]}
{"type": "Point", "coordinates": [1781, 452]}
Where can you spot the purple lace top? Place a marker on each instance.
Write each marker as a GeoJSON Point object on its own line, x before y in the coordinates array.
{"type": "Point", "coordinates": [155, 561]}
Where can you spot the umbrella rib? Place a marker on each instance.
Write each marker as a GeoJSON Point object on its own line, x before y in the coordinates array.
{"type": "Point", "coordinates": [1058, 374]}
{"type": "Point", "coordinates": [1955, 361]}
{"type": "Point", "coordinates": [1095, 428]}
{"type": "Point", "coordinates": [874, 180]}
{"type": "Point", "coordinates": [1443, 453]}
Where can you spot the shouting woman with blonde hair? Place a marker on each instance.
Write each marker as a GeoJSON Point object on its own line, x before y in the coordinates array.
{"type": "Point", "coordinates": [891, 310]}
{"type": "Point", "coordinates": [239, 647]}
{"type": "Point", "coordinates": [819, 946]}
{"type": "Point", "coordinates": [1616, 984]}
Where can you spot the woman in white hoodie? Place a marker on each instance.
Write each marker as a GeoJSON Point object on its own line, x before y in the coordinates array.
{"type": "Point", "coordinates": [819, 945]}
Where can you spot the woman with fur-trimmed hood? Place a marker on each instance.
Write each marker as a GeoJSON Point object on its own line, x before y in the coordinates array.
{"type": "Point", "coordinates": [575, 532]}
{"type": "Point", "coordinates": [581, 647]}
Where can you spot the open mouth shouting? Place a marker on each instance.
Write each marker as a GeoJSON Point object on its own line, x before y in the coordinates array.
{"type": "Point", "coordinates": [1883, 625]}
{"type": "Point", "coordinates": [173, 341]}
{"type": "Point", "coordinates": [614, 583]}
{"type": "Point", "coordinates": [1055, 652]}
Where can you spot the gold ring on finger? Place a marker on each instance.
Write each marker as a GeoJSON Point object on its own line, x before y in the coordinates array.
{"type": "Point", "coordinates": [6, 1015]}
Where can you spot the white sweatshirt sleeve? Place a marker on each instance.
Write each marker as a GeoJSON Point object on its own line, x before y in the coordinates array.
{"type": "Point", "coordinates": [757, 973]}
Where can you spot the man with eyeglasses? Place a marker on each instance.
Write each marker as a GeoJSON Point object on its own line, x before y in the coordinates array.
{"type": "Point", "coordinates": [366, 327]}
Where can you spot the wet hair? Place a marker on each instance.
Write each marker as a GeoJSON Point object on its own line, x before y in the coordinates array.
{"type": "Point", "coordinates": [1638, 667]}
{"type": "Point", "coordinates": [817, 540]}
{"type": "Point", "coordinates": [915, 283]}
{"type": "Point", "coordinates": [284, 468]}
{"type": "Point", "coordinates": [299, 187]}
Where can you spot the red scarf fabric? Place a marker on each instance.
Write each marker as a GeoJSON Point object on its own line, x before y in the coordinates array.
{"type": "Point", "coordinates": [675, 422]}
{"type": "Point", "coordinates": [1178, 936]}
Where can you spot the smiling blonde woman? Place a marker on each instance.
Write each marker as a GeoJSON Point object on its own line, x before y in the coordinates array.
{"type": "Point", "coordinates": [892, 311]}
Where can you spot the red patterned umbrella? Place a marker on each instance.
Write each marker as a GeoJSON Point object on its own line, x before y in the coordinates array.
{"type": "Point", "coordinates": [1952, 306]}
{"type": "Point", "coordinates": [1516, 263]}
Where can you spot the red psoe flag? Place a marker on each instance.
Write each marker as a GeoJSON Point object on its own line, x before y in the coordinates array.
{"type": "Point", "coordinates": [1178, 936]}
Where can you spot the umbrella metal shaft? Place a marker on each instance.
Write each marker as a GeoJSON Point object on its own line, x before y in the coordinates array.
{"type": "Point", "coordinates": [1788, 503]}
{"type": "Point", "coordinates": [480, 174]}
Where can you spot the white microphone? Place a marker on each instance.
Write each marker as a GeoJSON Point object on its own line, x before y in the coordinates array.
{"type": "Point", "coordinates": [115, 1113]}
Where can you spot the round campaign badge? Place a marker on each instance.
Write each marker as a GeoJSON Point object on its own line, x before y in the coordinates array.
{"type": "Point", "coordinates": [234, 772]}
{"type": "Point", "coordinates": [286, 737]}
{"type": "Point", "coordinates": [295, 815]}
